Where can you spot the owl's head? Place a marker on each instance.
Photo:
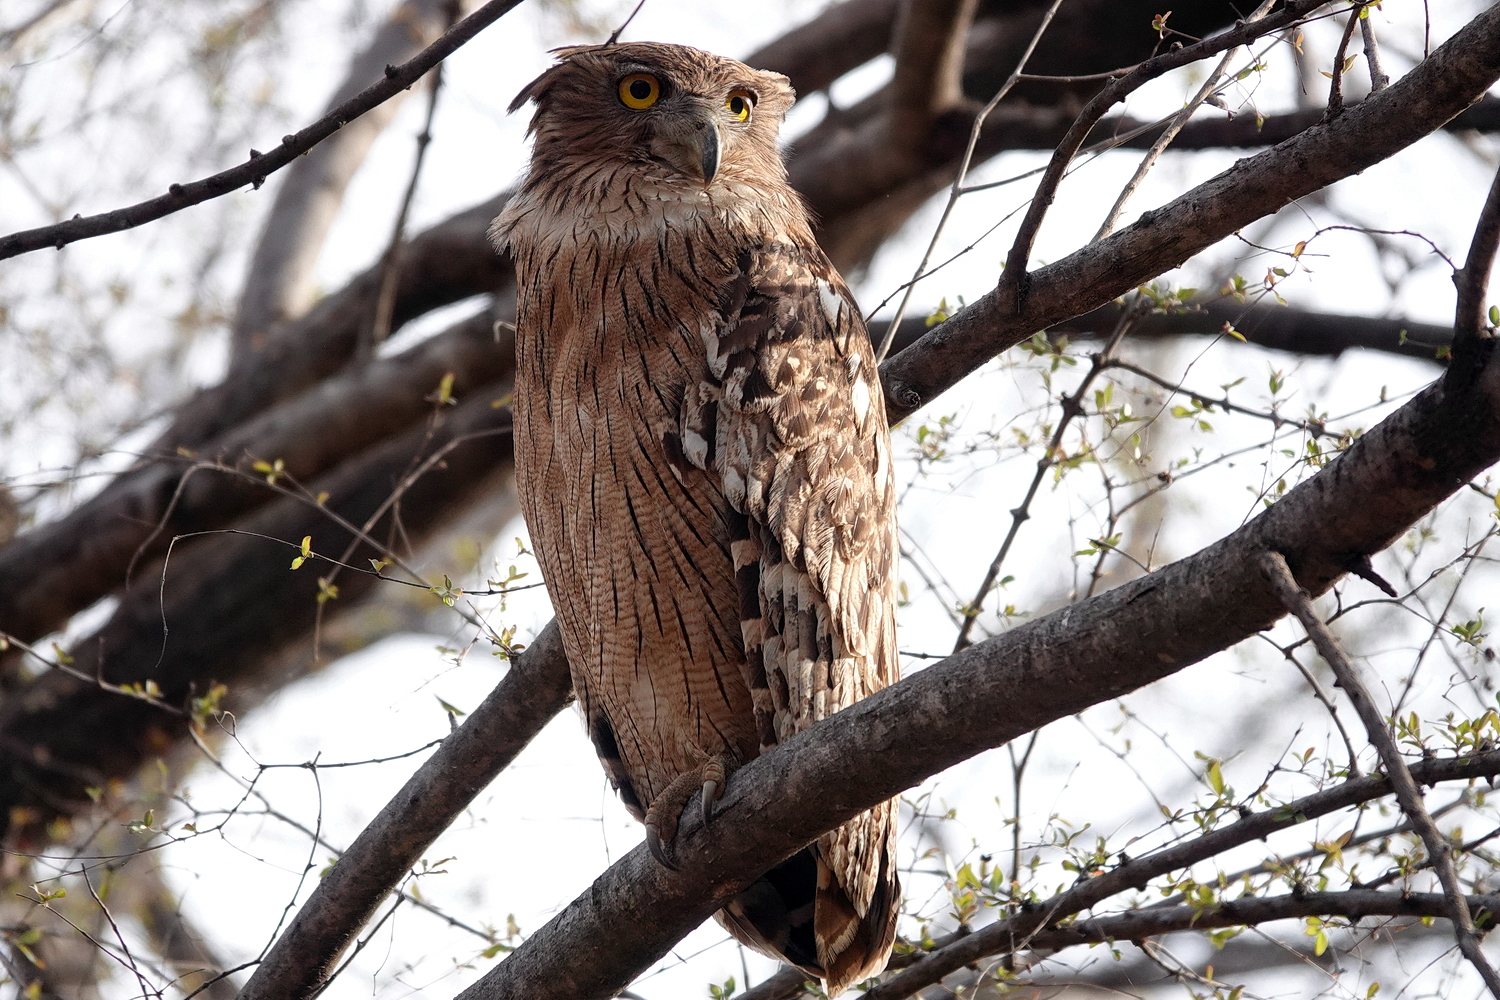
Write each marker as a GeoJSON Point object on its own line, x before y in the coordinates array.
{"type": "Point", "coordinates": [691, 114]}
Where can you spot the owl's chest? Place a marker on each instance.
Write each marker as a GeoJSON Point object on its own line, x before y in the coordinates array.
{"type": "Point", "coordinates": [609, 336]}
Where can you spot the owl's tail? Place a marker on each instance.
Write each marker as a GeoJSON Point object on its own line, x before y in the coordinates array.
{"type": "Point", "coordinates": [827, 910]}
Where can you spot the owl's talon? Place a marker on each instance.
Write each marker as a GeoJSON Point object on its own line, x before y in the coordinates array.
{"type": "Point", "coordinates": [659, 850]}
{"type": "Point", "coordinates": [713, 786]}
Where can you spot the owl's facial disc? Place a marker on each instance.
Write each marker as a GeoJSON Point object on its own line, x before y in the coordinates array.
{"type": "Point", "coordinates": [690, 140]}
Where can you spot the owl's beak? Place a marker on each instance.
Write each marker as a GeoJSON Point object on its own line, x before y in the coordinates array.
{"type": "Point", "coordinates": [691, 142]}
{"type": "Point", "coordinates": [710, 151]}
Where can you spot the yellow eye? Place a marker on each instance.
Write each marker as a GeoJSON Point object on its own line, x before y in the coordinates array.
{"type": "Point", "coordinates": [739, 103]}
{"type": "Point", "coordinates": [639, 91]}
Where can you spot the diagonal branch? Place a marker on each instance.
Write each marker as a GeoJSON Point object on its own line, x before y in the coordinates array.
{"type": "Point", "coordinates": [1013, 280]}
{"type": "Point", "coordinates": [1439, 850]}
{"type": "Point", "coordinates": [260, 165]}
{"type": "Point", "coordinates": [535, 689]}
{"type": "Point", "coordinates": [53, 571]}
{"type": "Point", "coordinates": [1473, 338]}
{"type": "Point", "coordinates": [1455, 76]}
{"type": "Point", "coordinates": [279, 282]}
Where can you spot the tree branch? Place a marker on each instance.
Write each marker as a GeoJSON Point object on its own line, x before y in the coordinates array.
{"type": "Point", "coordinates": [219, 609]}
{"type": "Point", "coordinates": [1137, 925]}
{"type": "Point", "coordinates": [279, 282]}
{"type": "Point", "coordinates": [839, 39]}
{"type": "Point", "coordinates": [535, 689]}
{"type": "Point", "coordinates": [50, 573]}
{"type": "Point", "coordinates": [999, 937]}
{"type": "Point", "coordinates": [929, 54]}
{"type": "Point", "coordinates": [1408, 794]}
{"type": "Point", "coordinates": [260, 165]}
{"type": "Point", "coordinates": [1456, 75]}
{"type": "Point", "coordinates": [1473, 337]}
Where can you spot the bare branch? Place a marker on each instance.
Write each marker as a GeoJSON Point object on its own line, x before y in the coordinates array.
{"type": "Point", "coordinates": [219, 609]}
{"type": "Point", "coordinates": [535, 689]}
{"type": "Point", "coordinates": [1336, 78]}
{"type": "Point", "coordinates": [279, 282]}
{"type": "Point", "coordinates": [1003, 935]}
{"type": "Point", "coordinates": [1379, 79]}
{"type": "Point", "coordinates": [1473, 337]}
{"type": "Point", "coordinates": [1014, 280]}
{"type": "Point", "coordinates": [52, 572]}
{"type": "Point", "coordinates": [929, 54]}
{"type": "Point", "coordinates": [831, 44]}
{"type": "Point", "coordinates": [1439, 851]}
{"type": "Point", "coordinates": [1456, 75]}
{"type": "Point", "coordinates": [260, 165]}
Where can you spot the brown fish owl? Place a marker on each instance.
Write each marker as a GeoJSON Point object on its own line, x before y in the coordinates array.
{"type": "Point", "coordinates": [704, 463]}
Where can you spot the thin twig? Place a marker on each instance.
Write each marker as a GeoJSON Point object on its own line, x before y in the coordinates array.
{"type": "Point", "coordinates": [1336, 87]}
{"type": "Point", "coordinates": [1072, 406]}
{"type": "Point", "coordinates": [390, 261]}
{"type": "Point", "coordinates": [1012, 280]}
{"type": "Point", "coordinates": [1170, 132]}
{"type": "Point", "coordinates": [956, 189]}
{"type": "Point", "coordinates": [1326, 699]}
{"type": "Point", "coordinates": [1408, 794]}
{"type": "Point", "coordinates": [1379, 78]}
{"type": "Point", "coordinates": [255, 170]}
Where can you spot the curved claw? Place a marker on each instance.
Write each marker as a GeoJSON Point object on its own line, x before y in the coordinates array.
{"type": "Point", "coordinates": [711, 790]}
{"type": "Point", "coordinates": [658, 849]}
{"type": "Point", "coordinates": [713, 787]}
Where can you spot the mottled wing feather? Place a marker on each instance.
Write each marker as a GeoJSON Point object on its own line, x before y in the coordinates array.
{"type": "Point", "coordinates": [792, 418]}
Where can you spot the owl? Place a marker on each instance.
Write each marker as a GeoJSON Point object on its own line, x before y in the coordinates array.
{"type": "Point", "coordinates": [704, 464]}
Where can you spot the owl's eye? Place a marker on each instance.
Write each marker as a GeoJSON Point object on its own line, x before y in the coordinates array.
{"type": "Point", "coordinates": [639, 91]}
{"type": "Point", "coordinates": [739, 103]}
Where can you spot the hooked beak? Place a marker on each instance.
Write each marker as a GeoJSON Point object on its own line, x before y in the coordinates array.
{"type": "Point", "coordinates": [691, 143]}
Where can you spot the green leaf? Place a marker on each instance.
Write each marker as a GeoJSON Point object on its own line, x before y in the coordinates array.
{"type": "Point", "coordinates": [1215, 777]}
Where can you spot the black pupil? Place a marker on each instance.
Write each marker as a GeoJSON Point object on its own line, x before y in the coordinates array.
{"type": "Point", "coordinates": [737, 105]}
{"type": "Point", "coordinates": [640, 89]}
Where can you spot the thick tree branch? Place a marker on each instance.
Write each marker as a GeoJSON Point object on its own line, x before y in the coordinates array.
{"type": "Point", "coordinates": [841, 38]}
{"type": "Point", "coordinates": [219, 609]}
{"type": "Point", "coordinates": [1455, 76]}
{"type": "Point", "coordinates": [929, 54]}
{"type": "Point", "coordinates": [280, 281]}
{"type": "Point", "coordinates": [59, 568]}
{"type": "Point", "coordinates": [535, 689]}
{"type": "Point", "coordinates": [50, 573]}
{"type": "Point", "coordinates": [260, 165]}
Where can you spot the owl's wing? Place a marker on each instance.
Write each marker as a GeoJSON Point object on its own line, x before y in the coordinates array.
{"type": "Point", "coordinates": [791, 420]}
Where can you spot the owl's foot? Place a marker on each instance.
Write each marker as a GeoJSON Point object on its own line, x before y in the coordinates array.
{"type": "Point", "coordinates": [665, 811]}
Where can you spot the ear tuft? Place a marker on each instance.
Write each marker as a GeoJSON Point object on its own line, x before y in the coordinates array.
{"type": "Point", "coordinates": [534, 90]}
